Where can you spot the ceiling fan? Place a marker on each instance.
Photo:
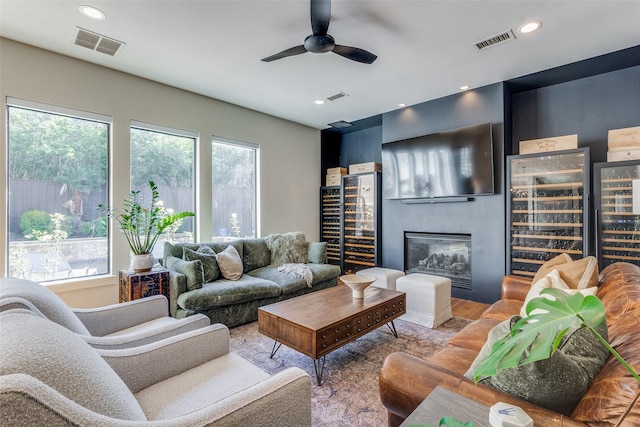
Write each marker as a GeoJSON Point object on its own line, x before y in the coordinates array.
{"type": "Point", "coordinates": [320, 41]}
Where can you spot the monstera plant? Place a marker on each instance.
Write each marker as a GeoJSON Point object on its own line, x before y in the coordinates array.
{"type": "Point", "coordinates": [541, 332]}
{"type": "Point", "coordinates": [142, 225]}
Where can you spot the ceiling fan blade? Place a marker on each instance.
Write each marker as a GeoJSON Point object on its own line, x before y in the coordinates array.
{"type": "Point", "coordinates": [355, 54]}
{"type": "Point", "coordinates": [287, 52]}
{"type": "Point", "coordinates": [320, 16]}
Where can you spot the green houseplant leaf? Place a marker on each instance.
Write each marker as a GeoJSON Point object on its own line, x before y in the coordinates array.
{"type": "Point", "coordinates": [140, 225]}
{"type": "Point", "coordinates": [540, 333]}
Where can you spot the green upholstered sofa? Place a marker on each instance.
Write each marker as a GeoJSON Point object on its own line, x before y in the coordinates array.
{"type": "Point", "coordinates": [235, 302]}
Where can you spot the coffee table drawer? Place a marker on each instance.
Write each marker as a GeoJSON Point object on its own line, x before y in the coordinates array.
{"type": "Point", "coordinates": [334, 336]}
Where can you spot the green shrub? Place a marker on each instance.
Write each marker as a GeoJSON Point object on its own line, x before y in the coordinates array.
{"type": "Point", "coordinates": [35, 221]}
{"type": "Point", "coordinates": [95, 228]}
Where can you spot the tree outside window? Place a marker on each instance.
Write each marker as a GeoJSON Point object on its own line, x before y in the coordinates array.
{"type": "Point", "coordinates": [57, 170]}
{"type": "Point", "coordinates": [234, 189]}
{"type": "Point", "coordinates": [167, 158]}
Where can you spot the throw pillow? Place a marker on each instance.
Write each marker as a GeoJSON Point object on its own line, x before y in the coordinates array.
{"type": "Point", "coordinates": [318, 252]}
{"type": "Point", "coordinates": [550, 265]}
{"type": "Point", "coordinates": [207, 256]}
{"type": "Point", "coordinates": [580, 274]}
{"type": "Point", "coordinates": [557, 383]}
{"type": "Point", "coordinates": [288, 248]}
{"type": "Point", "coordinates": [230, 263]}
{"type": "Point", "coordinates": [255, 254]}
{"type": "Point", "coordinates": [193, 271]}
{"type": "Point", "coordinates": [552, 280]}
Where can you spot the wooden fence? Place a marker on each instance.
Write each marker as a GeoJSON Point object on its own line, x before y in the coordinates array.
{"type": "Point", "coordinates": [26, 195]}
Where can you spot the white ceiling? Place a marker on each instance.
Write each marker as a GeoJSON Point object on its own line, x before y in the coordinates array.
{"type": "Point", "coordinates": [425, 48]}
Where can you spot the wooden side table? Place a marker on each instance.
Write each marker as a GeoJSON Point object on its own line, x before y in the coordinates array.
{"type": "Point", "coordinates": [139, 285]}
{"type": "Point", "coordinates": [441, 403]}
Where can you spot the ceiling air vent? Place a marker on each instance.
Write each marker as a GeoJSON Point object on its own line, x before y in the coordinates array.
{"type": "Point", "coordinates": [337, 96]}
{"type": "Point", "coordinates": [495, 40]}
{"type": "Point", "coordinates": [97, 42]}
{"type": "Point", "coordinates": [340, 124]}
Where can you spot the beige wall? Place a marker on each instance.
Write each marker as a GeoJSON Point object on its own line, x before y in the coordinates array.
{"type": "Point", "coordinates": [289, 152]}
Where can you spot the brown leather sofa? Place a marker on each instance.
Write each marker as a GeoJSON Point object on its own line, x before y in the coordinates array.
{"type": "Point", "coordinates": [613, 399]}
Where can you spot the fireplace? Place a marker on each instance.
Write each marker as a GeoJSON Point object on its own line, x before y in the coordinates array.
{"type": "Point", "coordinates": [447, 255]}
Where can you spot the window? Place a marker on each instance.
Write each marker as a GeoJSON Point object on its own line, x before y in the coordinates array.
{"type": "Point", "coordinates": [57, 176]}
{"type": "Point", "coordinates": [234, 172]}
{"type": "Point", "coordinates": [166, 157]}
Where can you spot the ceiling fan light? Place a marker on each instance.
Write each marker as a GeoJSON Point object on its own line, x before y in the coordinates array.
{"type": "Point", "coordinates": [92, 12]}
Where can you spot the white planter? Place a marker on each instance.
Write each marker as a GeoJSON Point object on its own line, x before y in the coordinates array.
{"type": "Point", "coordinates": [141, 263]}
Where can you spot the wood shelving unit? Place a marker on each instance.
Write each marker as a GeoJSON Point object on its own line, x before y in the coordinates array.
{"type": "Point", "coordinates": [331, 222]}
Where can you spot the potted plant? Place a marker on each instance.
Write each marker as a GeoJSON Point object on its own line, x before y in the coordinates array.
{"type": "Point", "coordinates": [541, 333]}
{"type": "Point", "coordinates": [143, 225]}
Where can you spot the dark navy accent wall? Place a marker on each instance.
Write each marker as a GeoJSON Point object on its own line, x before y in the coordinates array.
{"type": "Point", "coordinates": [482, 216]}
{"type": "Point", "coordinates": [587, 98]}
{"type": "Point", "coordinates": [362, 146]}
{"type": "Point", "coordinates": [588, 107]}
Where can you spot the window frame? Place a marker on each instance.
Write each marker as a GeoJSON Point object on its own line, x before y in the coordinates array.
{"type": "Point", "coordinates": [256, 148]}
{"type": "Point", "coordinates": [180, 133]}
{"type": "Point", "coordinates": [74, 113]}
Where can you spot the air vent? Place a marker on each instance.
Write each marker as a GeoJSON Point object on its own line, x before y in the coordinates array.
{"type": "Point", "coordinates": [337, 96]}
{"type": "Point", "coordinates": [495, 40]}
{"type": "Point", "coordinates": [340, 124]}
{"type": "Point", "coordinates": [97, 42]}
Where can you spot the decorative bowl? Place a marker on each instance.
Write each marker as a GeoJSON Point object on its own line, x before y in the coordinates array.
{"type": "Point", "coordinates": [358, 283]}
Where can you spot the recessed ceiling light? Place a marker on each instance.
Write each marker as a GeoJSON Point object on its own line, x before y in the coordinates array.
{"type": "Point", "coordinates": [529, 27]}
{"type": "Point", "coordinates": [465, 87]}
{"type": "Point", "coordinates": [402, 105]}
{"type": "Point", "coordinates": [319, 101]}
{"type": "Point", "coordinates": [92, 12]}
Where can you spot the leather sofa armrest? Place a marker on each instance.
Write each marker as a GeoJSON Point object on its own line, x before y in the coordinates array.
{"type": "Point", "coordinates": [515, 287]}
{"type": "Point", "coordinates": [405, 381]}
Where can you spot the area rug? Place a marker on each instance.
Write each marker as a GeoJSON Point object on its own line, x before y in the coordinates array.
{"type": "Point", "coordinates": [348, 395]}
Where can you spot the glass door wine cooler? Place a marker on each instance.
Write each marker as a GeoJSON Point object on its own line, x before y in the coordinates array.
{"type": "Point", "coordinates": [548, 208]}
{"type": "Point", "coordinates": [618, 228]}
{"type": "Point", "coordinates": [361, 197]}
{"type": "Point", "coordinates": [331, 222]}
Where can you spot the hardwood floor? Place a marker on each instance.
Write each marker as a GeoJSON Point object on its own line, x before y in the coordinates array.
{"type": "Point", "coordinates": [467, 309]}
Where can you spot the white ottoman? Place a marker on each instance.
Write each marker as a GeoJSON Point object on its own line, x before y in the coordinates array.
{"type": "Point", "coordinates": [428, 298]}
{"type": "Point", "coordinates": [385, 277]}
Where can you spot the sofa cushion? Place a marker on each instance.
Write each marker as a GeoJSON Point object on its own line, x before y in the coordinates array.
{"type": "Point", "coordinates": [317, 252]}
{"type": "Point", "coordinates": [62, 360]}
{"type": "Point", "coordinates": [287, 248]}
{"type": "Point", "coordinates": [255, 254]}
{"type": "Point", "coordinates": [557, 383]}
{"type": "Point", "coordinates": [207, 256]}
{"type": "Point", "coordinates": [322, 272]}
{"type": "Point", "coordinates": [230, 263]}
{"type": "Point", "coordinates": [288, 282]}
{"type": "Point", "coordinates": [193, 271]}
{"type": "Point", "coordinates": [552, 280]}
{"type": "Point", "coordinates": [474, 335]}
{"type": "Point", "coordinates": [224, 292]}
{"type": "Point", "coordinates": [292, 283]}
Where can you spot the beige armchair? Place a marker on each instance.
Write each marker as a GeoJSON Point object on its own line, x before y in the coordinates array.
{"type": "Point", "coordinates": [122, 325]}
{"type": "Point", "coordinates": [50, 376]}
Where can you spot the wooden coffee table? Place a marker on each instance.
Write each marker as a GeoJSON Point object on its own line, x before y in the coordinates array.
{"type": "Point", "coordinates": [320, 322]}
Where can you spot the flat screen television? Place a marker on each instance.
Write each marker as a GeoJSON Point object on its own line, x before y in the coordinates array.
{"type": "Point", "coordinates": [453, 163]}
